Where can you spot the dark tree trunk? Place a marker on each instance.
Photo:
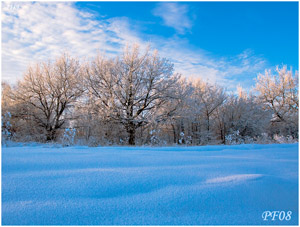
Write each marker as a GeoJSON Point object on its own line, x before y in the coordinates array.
{"type": "Point", "coordinates": [224, 134]}
{"type": "Point", "coordinates": [208, 128]}
{"type": "Point", "coordinates": [131, 131]}
{"type": "Point", "coordinates": [174, 134]}
{"type": "Point", "coordinates": [182, 131]}
{"type": "Point", "coordinates": [51, 135]}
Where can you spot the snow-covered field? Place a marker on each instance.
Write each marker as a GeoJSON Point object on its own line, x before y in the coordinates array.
{"type": "Point", "coordinates": [213, 185]}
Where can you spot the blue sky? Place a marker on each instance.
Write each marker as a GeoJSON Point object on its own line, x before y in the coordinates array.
{"type": "Point", "coordinates": [224, 42]}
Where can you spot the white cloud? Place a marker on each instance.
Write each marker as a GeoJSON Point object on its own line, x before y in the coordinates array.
{"type": "Point", "coordinates": [33, 32]}
{"type": "Point", "coordinates": [193, 62]}
{"type": "Point", "coordinates": [40, 31]}
{"type": "Point", "coordinates": [174, 15]}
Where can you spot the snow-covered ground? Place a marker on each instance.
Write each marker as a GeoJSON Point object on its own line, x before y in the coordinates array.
{"type": "Point", "coordinates": [44, 185]}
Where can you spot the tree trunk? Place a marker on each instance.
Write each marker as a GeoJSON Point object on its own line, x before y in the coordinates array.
{"type": "Point", "coordinates": [131, 131]}
{"type": "Point", "coordinates": [182, 131]}
{"type": "Point", "coordinates": [208, 129]}
{"type": "Point", "coordinates": [174, 133]}
{"type": "Point", "coordinates": [51, 134]}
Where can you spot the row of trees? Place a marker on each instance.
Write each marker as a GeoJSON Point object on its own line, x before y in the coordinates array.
{"type": "Point", "coordinates": [137, 98]}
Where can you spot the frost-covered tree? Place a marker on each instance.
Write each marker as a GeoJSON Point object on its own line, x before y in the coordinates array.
{"type": "Point", "coordinates": [279, 93]}
{"type": "Point", "coordinates": [132, 89]}
{"type": "Point", "coordinates": [137, 98]}
{"type": "Point", "coordinates": [178, 110]}
{"type": "Point", "coordinates": [92, 126]}
{"type": "Point", "coordinates": [47, 91]}
{"type": "Point", "coordinates": [9, 108]}
{"type": "Point", "coordinates": [6, 127]}
{"type": "Point", "coordinates": [207, 99]}
{"type": "Point", "coordinates": [6, 100]}
{"type": "Point", "coordinates": [241, 119]}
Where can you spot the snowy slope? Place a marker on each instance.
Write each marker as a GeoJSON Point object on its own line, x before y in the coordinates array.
{"type": "Point", "coordinates": [158, 186]}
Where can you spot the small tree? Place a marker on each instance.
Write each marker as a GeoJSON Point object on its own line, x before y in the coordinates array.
{"type": "Point", "coordinates": [242, 118]}
{"type": "Point", "coordinates": [48, 89]}
{"type": "Point", "coordinates": [279, 93]}
{"type": "Point", "coordinates": [208, 98]}
{"type": "Point", "coordinates": [6, 128]}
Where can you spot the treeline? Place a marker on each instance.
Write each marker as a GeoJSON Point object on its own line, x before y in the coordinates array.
{"type": "Point", "coordinates": [137, 98]}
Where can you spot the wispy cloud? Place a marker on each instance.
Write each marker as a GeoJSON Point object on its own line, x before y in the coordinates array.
{"type": "Point", "coordinates": [228, 71]}
{"type": "Point", "coordinates": [40, 31]}
{"type": "Point", "coordinates": [53, 28]}
{"type": "Point", "coordinates": [174, 15]}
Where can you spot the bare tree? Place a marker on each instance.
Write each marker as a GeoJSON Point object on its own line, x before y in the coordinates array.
{"type": "Point", "coordinates": [279, 93]}
{"type": "Point", "coordinates": [180, 109]}
{"type": "Point", "coordinates": [208, 98]}
{"type": "Point", "coordinates": [241, 116]}
{"type": "Point", "coordinates": [49, 89]}
{"type": "Point", "coordinates": [5, 96]}
{"type": "Point", "coordinates": [133, 88]}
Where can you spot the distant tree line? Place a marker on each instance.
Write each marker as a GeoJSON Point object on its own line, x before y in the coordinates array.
{"type": "Point", "coordinates": [138, 99]}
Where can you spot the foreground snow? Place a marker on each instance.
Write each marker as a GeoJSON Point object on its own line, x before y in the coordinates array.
{"type": "Point", "coordinates": [158, 186]}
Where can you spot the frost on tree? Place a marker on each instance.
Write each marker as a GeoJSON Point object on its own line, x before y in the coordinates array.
{"type": "Point", "coordinates": [6, 127]}
{"type": "Point", "coordinates": [130, 90]}
{"type": "Point", "coordinates": [137, 98]}
{"type": "Point", "coordinates": [279, 92]}
{"type": "Point", "coordinates": [48, 90]}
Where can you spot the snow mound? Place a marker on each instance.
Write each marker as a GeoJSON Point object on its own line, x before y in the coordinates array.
{"type": "Point", "coordinates": [233, 178]}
